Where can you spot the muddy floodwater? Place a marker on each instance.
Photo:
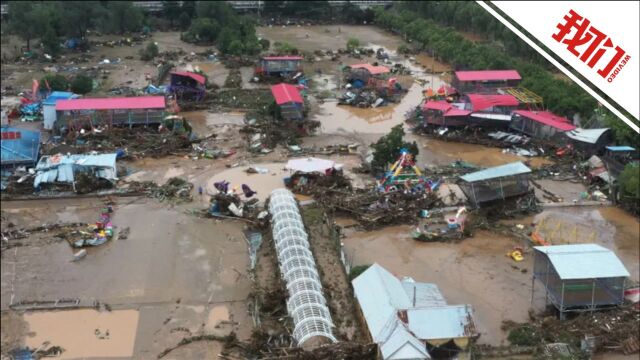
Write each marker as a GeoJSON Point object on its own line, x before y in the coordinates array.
{"type": "Point", "coordinates": [85, 333]}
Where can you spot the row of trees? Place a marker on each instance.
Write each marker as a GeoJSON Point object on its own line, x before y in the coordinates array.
{"type": "Point", "coordinates": [51, 20]}
{"type": "Point", "coordinates": [217, 23]}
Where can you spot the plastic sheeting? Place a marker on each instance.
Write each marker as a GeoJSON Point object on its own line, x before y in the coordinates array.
{"type": "Point", "coordinates": [306, 304]}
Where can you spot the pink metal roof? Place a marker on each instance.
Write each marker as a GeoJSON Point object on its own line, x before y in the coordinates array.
{"type": "Point", "coordinates": [437, 105]}
{"type": "Point", "coordinates": [119, 103]}
{"type": "Point", "coordinates": [197, 77]}
{"type": "Point", "coordinates": [481, 102]}
{"type": "Point", "coordinates": [488, 75]}
{"type": "Point", "coordinates": [374, 70]}
{"type": "Point", "coordinates": [285, 93]}
{"type": "Point", "coordinates": [457, 112]}
{"type": "Point", "coordinates": [287, 57]}
{"type": "Point", "coordinates": [547, 118]}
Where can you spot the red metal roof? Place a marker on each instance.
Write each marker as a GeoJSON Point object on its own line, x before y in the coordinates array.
{"type": "Point", "coordinates": [119, 103]}
{"type": "Point", "coordinates": [547, 118]}
{"type": "Point", "coordinates": [457, 112]}
{"type": "Point", "coordinates": [197, 77]}
{"type": "Point", "coordinates": [481, 102]}
{"type": "Point", "coordinates": [374, 70]}
{"type": "Point", "coordinates": [488, 75]}
{"type": "Point", "coordinates": [285, 93]}
{"type": "Point", "coordinates": [288, 57]}
{"type": "Point", "coordinates": [437, 105]}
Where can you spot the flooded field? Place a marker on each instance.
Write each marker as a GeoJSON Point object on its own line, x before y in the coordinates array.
{"type": "Point", "coordinates": [85, 333]}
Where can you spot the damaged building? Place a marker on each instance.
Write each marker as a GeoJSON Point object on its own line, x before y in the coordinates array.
{"type": "Point", "coordinates": [281, 66]}
{"type": "Point", "coordinates": [540, 124]}
{"type": "Point", "coordinates": [485, 81]}
{"type": "Point", "coordinates": [20, 147]}
{"type": "Point", "coordinates": [409, 319]}
{"type": "Point", "coordinates": [289, 101]}
{"type": "Point", "coordinates": [187, 86]}
{"type": "Point", "coordinates": [64, 169]}
{"type": "Point", "coordinates": [496, 183]}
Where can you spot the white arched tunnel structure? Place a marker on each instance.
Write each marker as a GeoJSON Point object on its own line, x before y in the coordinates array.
{"type": "Point", "coordinates": [306, 304]}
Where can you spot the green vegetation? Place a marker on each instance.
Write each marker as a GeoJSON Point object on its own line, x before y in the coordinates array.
{"type": "Point", "coordinates": [353, 44]}
{"type": "Point", "coordinates": [629, 180]}
{"type": "Point", "coordinates": [357, 270]}
{"type": "Point", "coordinates": [388, 147]}
{"type": "Point", "coordinates": [55, 82]}
{"type": "Point", "coordinates": [319, 11]}
{"type": "Point", "coordinates": [82, 84]}
{"type": "Point", "coordinates": [149, 52]}
{"type": "Point", "coordinates": [524, 335]}
{"type": "Point", "coordinates": [284, 48]}
{"type": "Point", "coordinates": [218, 24]}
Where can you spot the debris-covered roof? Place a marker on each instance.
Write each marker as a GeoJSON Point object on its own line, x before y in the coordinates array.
{"type": "Point", "coordinates": [488, 75]}
{"type": "Point", "coordinates": [512, 169]}
{"type": "Point", "coordinates": [590, 136]}
{"type": "Point", "coordinates": [61, 168]}
{"type": "Point", "coordinates": [286, 57]}
{"type": "Point", "coordinates": [285, 93]}
{"type": "Point", "coordinates": [583, 261]}
{"type": "Point", "coordinates": [53, 98]}
{"type": "Point", "coordinates": [547, 118]}
{"type": "Point", "coordinates": [484, 101]}
{"type": "Point", "coordinates": [373, 70]}
{"type": "Point", "coordinates": [197, 77]}
{"type": "Point", "coordinates": [116, 103]}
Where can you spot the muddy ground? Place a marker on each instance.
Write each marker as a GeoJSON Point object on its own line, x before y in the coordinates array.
{"type": "Point", "coordinates": [179, 275]}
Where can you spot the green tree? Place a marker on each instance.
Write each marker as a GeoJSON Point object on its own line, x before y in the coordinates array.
{"type": "Point", "coordinates": [28, 20]}
{"type": "Point", "coordinates": [121, 17]}
{"type": "Point", "coordinates": [353, 44]}
{"type": "Point", "coordinates": [79, 16]}
{"type": "Point", "coordinates": [629, 180]}
{"type": "Point", "coordinates": [51, 43]}
{"type": "Point", "coordinates": [184, 21]}
{"type": "Point", "coordinates": [170, 9]}
{"type": "Point", "coordinates": [265, 44]}
{"type": "Point", "coordinates": [387, 149]}
{"type": "Point", "coordinates": [235, 48]}
{"type": "Point", "coordinates": [204, 30]}
{"type": "Point", "coordinates": [82, 84]}
{"type": "Point", "coordinates": [149, 52]}
{"type": "Point", "coordinates": [225, 38]}
{"type": "Point", "coordinates": [56, 82]}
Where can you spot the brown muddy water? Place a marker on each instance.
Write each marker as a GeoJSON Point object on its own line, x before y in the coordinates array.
{"type": "Point", "coordinates": [83, 333]}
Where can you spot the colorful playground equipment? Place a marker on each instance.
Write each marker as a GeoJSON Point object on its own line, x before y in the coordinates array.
{"type": "Point", "coordinates": [405, 175]}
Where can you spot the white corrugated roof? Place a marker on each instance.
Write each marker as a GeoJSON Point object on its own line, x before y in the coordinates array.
{"type": "Point", "coordinates": [583, 261]}
{"type": "Point", "coordinates": [590, 136]}
{"type": "Point", "coordinates": [380, 294]}
{"type": "Point", "coordinates": [444, 322]}
{"type": "Point", "coordinates": [424, 294]}
{"type": "Point", "coordinates": [516, 168]}
{"type": "Point", "coordinates": [402, 345]}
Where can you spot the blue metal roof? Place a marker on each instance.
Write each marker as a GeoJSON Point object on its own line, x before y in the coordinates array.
{"type": "Point", "coordinates": [620, 148]}
{"type": "Point", "coordinates": [20, 151]}
{"type": "Point", "coordinates": [59, 95]}
{"type": "Point", "coordinates": [583, 261]}
{"type": "Point", "coordinates": [443, 322]}
{"type": "Point", "coordinates": [516, 168]}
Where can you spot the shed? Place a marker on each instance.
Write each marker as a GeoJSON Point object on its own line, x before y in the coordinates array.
{"type": "Point", "coordinates": [490, 110]}
{"type": "Point", "coordinates": [279, 65]}
{"type": "Point", "coordinates": [289, 101]}
{"type": "Point", "coordinates": [363, 73]}
{"type": "Point", "coordinates": [187, 85]}
{"type": "Point", "coordinates": [442, 113]}
{"type": "Point", "coordinates": [49, 106]}
{"type": "Point", "coordinates": [62, 168]}
{"type": "Point", "coordinates": [90, 112]}
{"type": "Point", "coordinates": [20, 147]}
{"type": "Point", "coordinates": [496, 183]}
{"type": "Point", "coordinates": [589, 141]}
{"type": "Point", "coordinates": [579, 277]}
{"type": "Point", "coordinates": [441, 324]}
{"type": "Point", "coordinates": [540, 124]}
{"type": "Point", "coordinates": [485, 80]}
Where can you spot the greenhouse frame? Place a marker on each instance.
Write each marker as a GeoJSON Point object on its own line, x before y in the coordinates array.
{"type": "Point", "coordinates": [306, 303]}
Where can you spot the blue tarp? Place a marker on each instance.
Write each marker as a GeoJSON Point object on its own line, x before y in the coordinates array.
{"type": "Point", "coordinates": [22, 151]}
{"type": "Point", "coordinates": [620, 148]}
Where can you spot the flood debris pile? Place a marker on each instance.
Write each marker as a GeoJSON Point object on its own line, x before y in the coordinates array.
{"type": "Point", "coordinates": [175, 189]}
{"type": "Point", "coordinates": [47, 233]}
{"type": "Point", "coordinates": [604, 331]}
{"type": "Point", "coordinates": [81, 173]}
{"type": "Point", "coordinates": [310, 183]}
{"type": "Point", "coordinates": [236, 202]}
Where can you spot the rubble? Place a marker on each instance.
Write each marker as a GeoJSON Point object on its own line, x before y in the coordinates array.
{"type": "Point", "coordinates": [175, 189]}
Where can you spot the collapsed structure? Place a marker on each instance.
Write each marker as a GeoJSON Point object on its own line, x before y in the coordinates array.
{"type": "Point", "coordinates": [306, 303]}
{"type": "Point", "coordinates": [289, 101]}
{"type": "Point", "coordinates": [279, 65]}
{"type": "Point", "coordinates": [408, 319]}
{"type": "Point", "coordinates": [579, 277]}
{"type": "Point", "coordinates": [20, 147]}
{"type": "Point", "coordinates": [64, 168]}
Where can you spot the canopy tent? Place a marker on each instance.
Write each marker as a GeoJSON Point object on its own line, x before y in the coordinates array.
{"type": "Point", "coordinates": [310, 165]}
